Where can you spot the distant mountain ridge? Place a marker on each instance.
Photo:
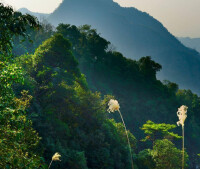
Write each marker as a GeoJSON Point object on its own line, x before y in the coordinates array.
{"type": "Point", "coordinates": [135, 34]}
{"type": "Point", "coordinates": [110, 20]}
{"type": "Point", "coordinates": [193, 43]}
{"type": "Point", "coordinates": [36, 14]}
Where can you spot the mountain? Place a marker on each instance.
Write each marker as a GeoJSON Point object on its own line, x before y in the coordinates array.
{"type": "Point", "coordinates": [135, 34]}
{"type": "Point", "coordinates": [193, 43]}
{"type": "Point", "coordinates": [141, 96]}
{"type": "Point", "coordinates": [36, 14]}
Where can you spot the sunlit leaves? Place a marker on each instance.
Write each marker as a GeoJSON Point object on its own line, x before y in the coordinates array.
{"type": "Point", "coordinates": [155, 131]}
{"type": "Point", "coordinates": [18, 140]}
{"type": "Point", "coordinates": [166, 155]}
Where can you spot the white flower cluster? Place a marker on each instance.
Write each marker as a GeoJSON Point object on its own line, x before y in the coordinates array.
{"type": "Point", "coordinates": [56, 157]}
{"type": "Point", "coordinates": [113, 106]}
{"type": "Point", "coordinates": [182, 115]}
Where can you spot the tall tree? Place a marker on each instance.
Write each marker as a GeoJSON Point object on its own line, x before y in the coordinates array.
{"type": "Point", "coordinates": [158, 131]}
{"type": "Point", "coordinates": [166, 155]}
{"type": "Point", "coordinates": [18, 140]}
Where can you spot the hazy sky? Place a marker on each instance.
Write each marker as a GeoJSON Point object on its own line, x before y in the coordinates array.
{"type": "Point", "coordinates": [180, 17]}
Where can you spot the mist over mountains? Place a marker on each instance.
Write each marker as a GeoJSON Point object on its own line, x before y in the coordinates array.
{"type": "Point", "coordinates": [135, 34]}
{"type": "Point", "coordinates": [193, 43]}
{"type": "Point", "coordinates": [57, 67]}
{"type": "Point", "coordinates": [36, 14]}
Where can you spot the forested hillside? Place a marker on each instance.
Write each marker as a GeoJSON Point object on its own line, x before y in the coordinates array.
{"type": "Point", "coordinates": [18, 138]}
{"type": "Point", "coordinates": [142, 97]}
{"type": "Point", "coordinates": [134, 83]}
{"type": "Point", "coordinates": [69, 117]}
{"type": "Point", "coordinates": [55, 88]}
{"type": "Point", "coordinates": [135, 34]}
{"type": "Point", "coordinates": [58, 108]}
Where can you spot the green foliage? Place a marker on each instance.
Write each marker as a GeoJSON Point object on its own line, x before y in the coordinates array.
{"type": "Point", "coordinates": [172, 87]}
{"type": "Point", "coordinates": [163, 155]}
{"type": "Point", "coordinates": [135, 34]}
{"type": "Point", "coordinates": [70, 118]}
{"type": "Point", "coordinates": [36, 37]}
{"type": "Point", "coordinates": [166, 155]}
{"type": "Point", "coordinates": [18, 140]}
{"type": "Point", "coordinates": [55, 52]}
{"type": "Point", "coordinates": [13, 23]}
{"type": "Point", "coordinates": [156, 131]}
{"type": "Point", "coordinates": [148, 67]}
{"type": "Point", "coordinates": [142, 97]}
{"type": "Point", "coordinates": [145, 159]}
{"type": "Point", "coordinates": [77, 160]}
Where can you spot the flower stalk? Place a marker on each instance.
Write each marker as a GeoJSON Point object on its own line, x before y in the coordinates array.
{"type": "Point", "coordinates": [183, 147]}
{"type": "Point", "coordinates": [182, 115]}
{"type": "Point", "coordinates": [114, 106]}
{"type": "Point", "coordinates": [56, 157]}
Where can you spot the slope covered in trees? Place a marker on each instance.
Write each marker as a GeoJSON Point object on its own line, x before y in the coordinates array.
{"type": "Point", "coordinates": [18, 140]}
{"type": "Point", "coordinates": [135, 34]}
{"type": "Point", "coordinates": [67, 114]}
{"type": "Point", "coordinates": [59, 107]}
{"type": "Point", "coordinates": [134, 83]}
{"type": "Point", "coordinates": [141, 96]}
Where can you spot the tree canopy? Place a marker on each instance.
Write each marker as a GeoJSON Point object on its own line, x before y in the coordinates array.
{"type": "Point", "coordinates": [18, 140]}
{"type": "Point", "coordinates": [65, 76]}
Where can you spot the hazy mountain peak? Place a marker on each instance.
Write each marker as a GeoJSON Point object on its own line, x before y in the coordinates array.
{"type": "Point", "coordinates": [135, 34]}
{"type": "Point", "coordinates": [193, 43]}
{"type": "Point", "coordinates": [24, 10]}
{"type": "Point", "coordinates": [36, 14]}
